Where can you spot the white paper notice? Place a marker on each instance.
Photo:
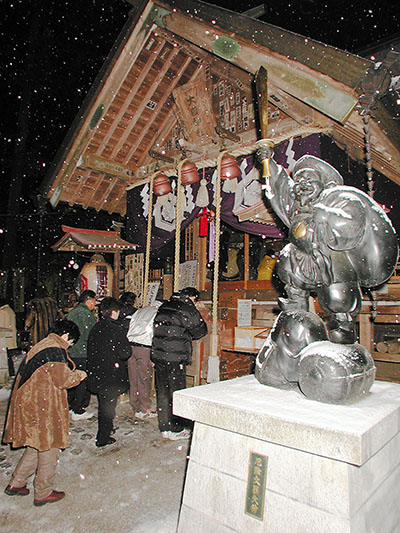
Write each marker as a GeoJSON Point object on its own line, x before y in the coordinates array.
{"type": "Point", "coordinates": [187, 274]}
{"type": "Point", "coordinates": [244, 312]}
{"type": "Point", "coordinates": [152, 290]}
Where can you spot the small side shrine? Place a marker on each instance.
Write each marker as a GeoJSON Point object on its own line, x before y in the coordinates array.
{"type": "Point", "coordinates": [98, 242]}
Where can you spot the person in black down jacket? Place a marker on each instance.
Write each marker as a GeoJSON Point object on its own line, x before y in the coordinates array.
{"type": "Point", "coordinates": [127, 302]}
{"type": "Point", "coordinates": [176, 324]}
{"type": "Point", "coordinates": [108, 351]}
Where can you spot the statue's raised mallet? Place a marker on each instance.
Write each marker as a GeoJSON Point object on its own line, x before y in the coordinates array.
{"type": "Point", "coordinates": [262, 98]}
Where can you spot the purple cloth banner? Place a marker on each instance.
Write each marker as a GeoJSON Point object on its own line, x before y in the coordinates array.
{"type": "Point", "coordinates": [248, 193]}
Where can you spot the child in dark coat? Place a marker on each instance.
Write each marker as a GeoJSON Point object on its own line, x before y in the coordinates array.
{"type": "Point", "coordinates": [108, 351]}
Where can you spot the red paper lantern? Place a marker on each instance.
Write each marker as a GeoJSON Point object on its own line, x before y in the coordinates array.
{"type": "Point", "coordinates": [97, 276]}
{"type": "Point", "coordinates": [229, 168]}
{"type": "Point", "coordinates": [189, 173]}
{"type": "Point", "coordinates": [162, 185]}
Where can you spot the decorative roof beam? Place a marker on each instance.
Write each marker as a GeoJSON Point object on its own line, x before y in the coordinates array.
{"type": "Point", "coordinates": [106, 166]}
{"type": "Point", "coordinates": [318, 90]}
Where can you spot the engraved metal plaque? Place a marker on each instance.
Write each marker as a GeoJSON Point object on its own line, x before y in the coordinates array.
{"type": "Point", "coordinates": [256, 485]}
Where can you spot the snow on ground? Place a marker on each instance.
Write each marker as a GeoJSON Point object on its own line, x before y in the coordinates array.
{"type": "Point", "coordinates": [133, 486]}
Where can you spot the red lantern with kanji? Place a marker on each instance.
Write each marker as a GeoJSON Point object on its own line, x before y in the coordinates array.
{"type": "Point", "coordinates": [162, 185]}
{"type": "Point", "coordinates": [229, 167]}
{"type": "Point", "coordinates": [189, 173]}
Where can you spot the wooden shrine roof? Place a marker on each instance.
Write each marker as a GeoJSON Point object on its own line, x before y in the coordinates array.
{"type": "Point", "coordinates": [79, 240]}
{"type": "Point", "coordinates": [180, 81]}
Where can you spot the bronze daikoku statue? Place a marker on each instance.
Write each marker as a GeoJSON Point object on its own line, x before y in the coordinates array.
{"type": "Point", "coordinates": [340, 240]}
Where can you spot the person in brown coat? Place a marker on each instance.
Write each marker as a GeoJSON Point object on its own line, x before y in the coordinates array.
{"type": "Point", "coordinates": [38, 413]}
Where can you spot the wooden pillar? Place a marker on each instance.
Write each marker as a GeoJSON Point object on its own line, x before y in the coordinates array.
{"type": "Point", "coordinates": [246, 259]}
{"type": "Point", "coordinates": [117, 273]}
{"type": "Point", "coordinates": [168, 282]}
{"type": "Point", "coordinates": [199, 253]}
{"type": "Point", "coordinates": [202, 263]}
{"type": "Point", "coordinates": [366, 331]}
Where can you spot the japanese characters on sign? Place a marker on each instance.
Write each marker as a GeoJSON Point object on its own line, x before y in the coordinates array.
{"type": "Point", "coordinates": [256, 485]}
{"type": "Point", "coordinates": [196, 114]}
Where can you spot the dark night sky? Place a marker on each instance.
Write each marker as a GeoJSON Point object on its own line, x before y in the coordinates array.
{"type": "Point", "coordinates": [53, 51]}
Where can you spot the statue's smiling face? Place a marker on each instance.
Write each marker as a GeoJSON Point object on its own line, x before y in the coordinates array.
{"type": "Point", "coordinates": [308, 186]}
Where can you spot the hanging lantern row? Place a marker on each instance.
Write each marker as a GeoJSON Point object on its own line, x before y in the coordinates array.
{"type": "Point", "coordinates": [189, 175]}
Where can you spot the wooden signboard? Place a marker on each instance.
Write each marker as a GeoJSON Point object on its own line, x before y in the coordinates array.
{"type": "Point", "coordinates": [194, 101]}
{"type": "Point", "coordinates": [134, 274]}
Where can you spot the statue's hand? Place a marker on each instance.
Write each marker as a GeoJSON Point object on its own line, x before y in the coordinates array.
{"type": "Point", "coordinates": [264, 152]}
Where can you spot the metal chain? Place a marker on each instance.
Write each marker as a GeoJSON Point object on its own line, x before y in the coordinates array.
{"type": "Point", "coordinates": [368, 156]}
{"type": "Point", "coordinates": [370, 184]}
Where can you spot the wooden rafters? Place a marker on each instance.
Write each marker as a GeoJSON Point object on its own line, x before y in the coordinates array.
{"type": "Point", "coordinates": [119, 204]}
{"type": "Point", "coordinates": [128, 102]}
{"type": "Point", "coordinates": [76, 196]}
{"type": "Point", "coordinates": [161, 103]}
{"type": "Point", "coordinates": [149, 95]}
{"type": "Point", "coordinates": [111, 186]}
{"type": "Point", "coordinates": [88, 202]}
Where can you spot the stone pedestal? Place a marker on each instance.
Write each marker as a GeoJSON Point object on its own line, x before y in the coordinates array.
{"type": "Point", "coordinates": [329, 468]}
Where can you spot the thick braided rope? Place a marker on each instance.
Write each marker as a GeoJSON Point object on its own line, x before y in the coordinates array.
{"type": "Point", "coordinates": [178, 220]}
{"type": "Point", "coordinates": [217, 239]}
{"type": "Point", "coordinates": [148, 240]}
